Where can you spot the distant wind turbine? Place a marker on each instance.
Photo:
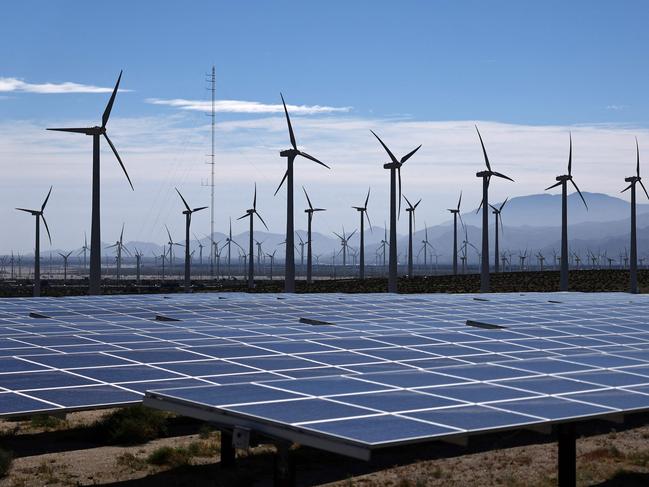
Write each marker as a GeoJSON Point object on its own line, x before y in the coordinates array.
{"type": "Point", "coordinates": [344, 242]}
{"type": "Point", "coordinates": [633, 268]}
{"type": "Point", "coordinates": [188, 220]}
{"type": "Point", "coordinates": [411, 227]}
{"type": "Point", "coordinates": [486, 179]}
{"type": "Point", "coordinates": [309, 256]}
{"type": "Point", "coordinates": [251, 213]}
{"type": "Point", "coordinates": [65, 258]}
{"type": "Point", "coordinates": [119, 247]}
{"type": "Point", "coordinates": [228, 243]}
{"type": "Point", "coordinates": [363, 212]}
{"type": "Point", "coordinates": [497, 212]}
{"type": "Point", "coordinates": [95, 231]}
{"type": "Point", "coordinates": [37, 246]}
{"type": "Point", "coordinates": [563, 182]}
{"type": "Point", "coordinates": [394, 166]}
{"type": "Point", "coordinates": [291, 154]}
{"type": "Point", "coordinates": [456, 215]}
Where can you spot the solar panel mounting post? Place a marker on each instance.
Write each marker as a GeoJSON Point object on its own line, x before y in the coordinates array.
{"type": "Point", "coordinates": [284, 475]}
{"type": "Point", "coordinates": [567, 456]}
{"type": "Point", "coordinates": [228, 453]}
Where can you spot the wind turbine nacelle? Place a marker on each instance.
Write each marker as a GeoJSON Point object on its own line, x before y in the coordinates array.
{"type": "Point", "coordinates": [483, 174]}
{"type": "Point", "coordinates": [565, 177]}
{"type": "Point", "coordinates": [392, 165]}
{"type": "Point", "coordinates": [288, 153]}
{"type": "Point", "coordinates": [632, 179]}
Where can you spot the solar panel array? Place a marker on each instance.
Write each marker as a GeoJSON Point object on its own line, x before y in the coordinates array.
{"type": "Point", "coordinates": [373, 369]}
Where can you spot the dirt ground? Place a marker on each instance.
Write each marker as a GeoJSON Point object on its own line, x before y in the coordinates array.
{"type": "Point", "coordinates": [58, 455]}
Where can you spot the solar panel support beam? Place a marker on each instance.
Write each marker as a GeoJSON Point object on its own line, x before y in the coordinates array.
{"type": "Point", "coordinates": [284, 465]}
{"type": "Point", "coordinates": [228, 453]}
{"type": "Point", "coordinates": [567, 455]}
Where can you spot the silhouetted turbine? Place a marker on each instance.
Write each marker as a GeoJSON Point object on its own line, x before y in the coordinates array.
{"type": "Point", "coordinates": [250, 213]}
{"type": "Point", "coordinates": [633, 263]}
{"type": "Point", "coordinates": [95, 231]}
{"type": "Point", "coordinates": [291, 154]}
{"type": "Point", "coordinates": [497, 212]}
{"type": "Point", "coordinates": [188, 220]}
{"type": "Point", "coordinates": [456, 215]}
{"type": "Point", "coordinates": [411, 224]}
{"type": "Point", "coordinates": [563, 182]}
{"type": "Point", "coordinates": [344, 242]}
{"type": "Point", "coordinates": [486, 178]}
{"type": "Point", "coordinates": [37, 246]}
{"type": "Point", "coordinates": [394, 166]}
{"type": "Point", "coordinates": [309, 256]}
{"type": "Point", "coordinates": [363, 211]}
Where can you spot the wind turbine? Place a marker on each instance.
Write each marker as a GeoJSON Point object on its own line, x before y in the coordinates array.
{"type": "Point", "coordinates": [171, 244]}
{"type": "Point", "coordinates": [84, 250]}
{"type": "Point", "coordinates": [486, 178]}
{"type": "Point", "coordinates": [424, 246]}
{"type": "Point", "coordinates": [563, 182]}
{"type": "Point", "coordinates": [65, 258]}
{"type": "Point", "coordinates": [384, 244]}
{"type": "Point", "coordinates": [497, 212]}
{"type": "Point", "coordinates": [37, 247]}
{"type": "Point", "coordinates": [188, 221]}
{"type": "Point", "coordinates": [394, 166]}
{"type": "Point", "coordinates": [309, 256]}
{"type": "Point", "coordinates": [95, 231]}
{"type": "Point", "coordinates": [119, 246]}
{"type": "Point", "coordinates": [363, 212]}
{"type": "Point", "coordinates": [228, 243]}
{"type": "Point", "coordinates": [456, 214]}
{"type": "Point", "coordinates": [250, 213]}
{"type": "Point", "coordinates": [633, 268]}
{"type": "Point", "coordinates": [271, 257]}
{"type": "Point", "coordinates": [411, 223]}
{"type": "Point", "coordinates": [302, 243]}
{"type": "Point", "coordinates": [200, 249]}
{"type": "Point", "coordinates": [138, 265]}
{"type": "Point", "coordinates": [344, 242]}
{"type": "Point", "coordinates": [291, 154]}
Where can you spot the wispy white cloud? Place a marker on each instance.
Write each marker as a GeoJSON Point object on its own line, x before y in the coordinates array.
{"type": "Point", "coordinates": [8, 85]}
{"type": "Point", "coordinates": [242, 106]}
{"type": "Point", "coordinates": [616, 108]}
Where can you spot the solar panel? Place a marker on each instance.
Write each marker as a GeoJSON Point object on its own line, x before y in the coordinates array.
{"type": "Point", "coordinates": [408, 363]}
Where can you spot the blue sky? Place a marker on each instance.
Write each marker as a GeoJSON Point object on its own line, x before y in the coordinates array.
{"type": "Point", "coordinates": [533, 70]}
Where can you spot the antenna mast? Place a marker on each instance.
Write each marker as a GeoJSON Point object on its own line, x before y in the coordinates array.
{"type": "Point", "coordinates": [212, 88]}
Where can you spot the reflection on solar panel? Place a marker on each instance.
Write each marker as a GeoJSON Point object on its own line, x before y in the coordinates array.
{"type": "Point", "coordinates": [365, 371]}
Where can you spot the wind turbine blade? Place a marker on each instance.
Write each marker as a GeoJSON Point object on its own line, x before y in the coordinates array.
{"type": "Point", "coordinates": [184, 201]}
{"type": "Point", "coordinates": [479, 206]}
{"type": "Point", "coordinates": [407, 201]}
{"type": "Point", "coordinates": [399, 175]}
{"type": "Point", "coordinates": [254, 199]}
{"type": "Point", "coordinates": [168, 232]}
{"type": "Point", "coordinates": [281, 182]}
{"type": "Point", "coordinates": [338, 236]}
{"type": "Point", "coordinates": [484, 151]}
{"type": "Point", "coordinates": [351, 235]}
{"type": "Point", "coordinates": [262, 220]}
{"type": "Point", "coordinates": [243, 216]}
{"type": "Point", "coordinates": [27, 211]}
{"type": "Point", "coordinates": [76, 130]}
{"type": "Point", "coordinates": [417, 204]}
{"type": "Point", "coordinates": [109, 107]}
{"type": "Point", "coordinates": [627, 188]}
{"type": "Point", "coordinates": [493, 207]}
{"type": "Point", "coordinates": [368, 221]}
{"type": "Point", "coordinates": [643, 188]}
{"type": "Point", "coordinates": [570, 157]}
{"type": "Point", "coordinates": [121, 235]}
{"type": "Point", "coordinates": [554, 185]}
{"type": "Point", "coordinates": [578, 191]}
{"type": "Point", "coordinates": [47, 228]}
{"type": "Point", "coordinates": [410, 154]}
{"type": "Point", "coordinates": [304, 154]}
{"type": "Point", "coordinates": [637, 151]}
{"type": "Point", "coordinates": [119, 159]}
{"type": "Point", "coordinates": [504, 203]}
{"type": "Point", "coordinates": [290, 127]}
{"type": "Point", "coordinates": [392, 158]}
{"type": "Point", "coordinates": [459, 202]}
{"type": "Point", "coordinates": [199, 208]}
{"type": "Point", "coordinates": [307, 198]}
{"type": "Point", "coordinates": [367, 199]}
{"type": "Point", "coordinates": [501, 175]}
{"type": "Point", "coordinates": [46, 198]}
